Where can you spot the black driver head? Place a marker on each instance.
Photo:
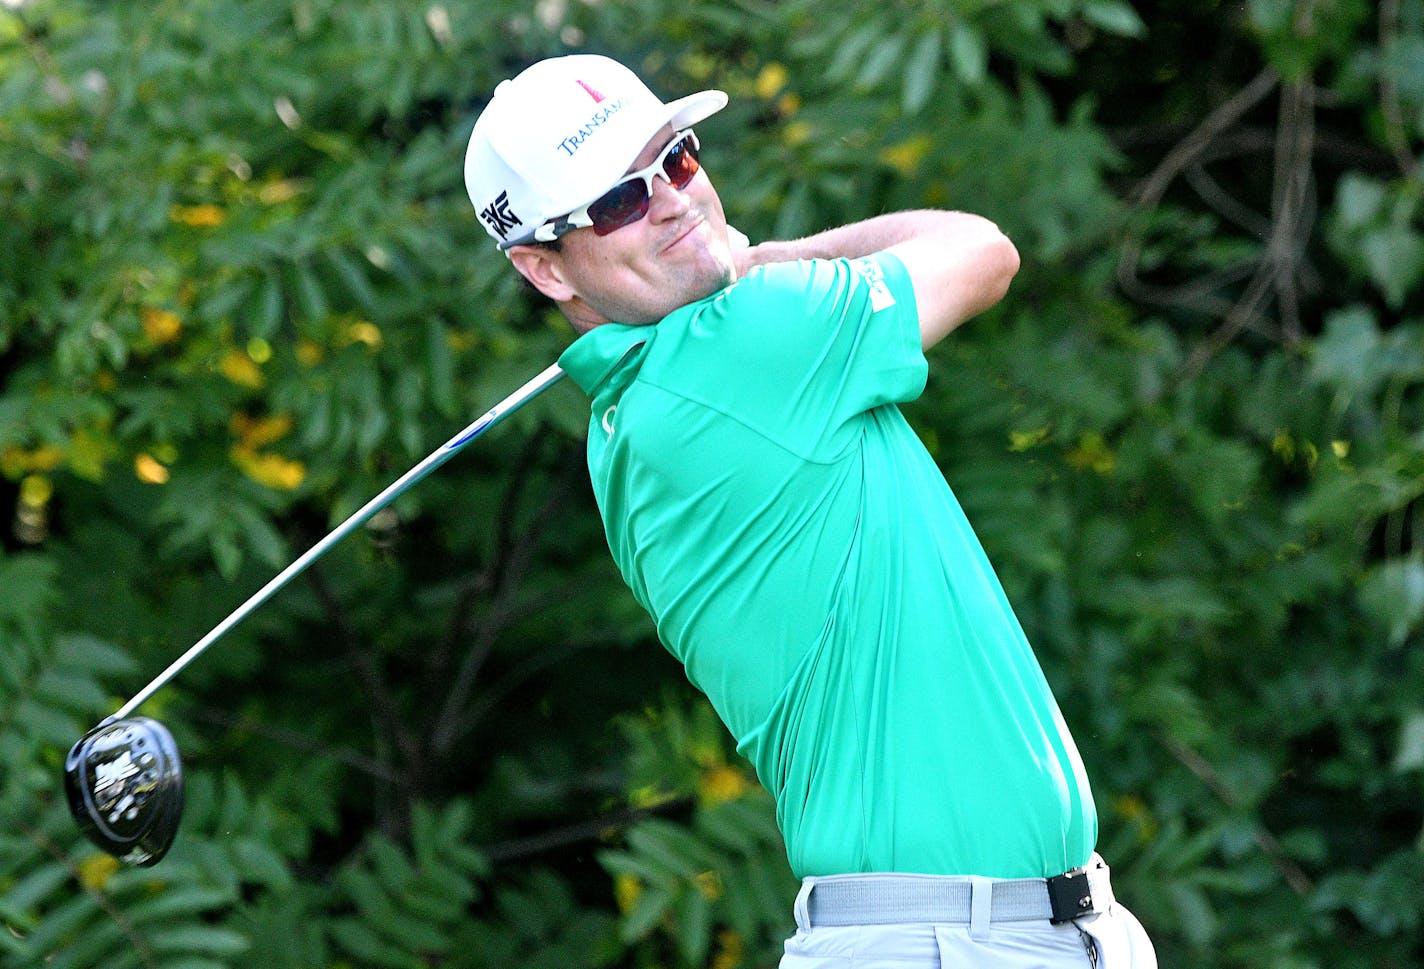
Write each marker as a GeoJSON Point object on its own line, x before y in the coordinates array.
{"type": "Point", "coordinates": [125, 785]}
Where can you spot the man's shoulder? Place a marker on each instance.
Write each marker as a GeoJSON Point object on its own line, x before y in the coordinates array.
{"type": "Point", "coordinates": [832, 284]}
{"type": "Point", "coordinates": [778, 283]}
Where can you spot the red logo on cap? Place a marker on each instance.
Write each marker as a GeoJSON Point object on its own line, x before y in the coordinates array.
{"type": "Point", "coordinates": [591, 92]}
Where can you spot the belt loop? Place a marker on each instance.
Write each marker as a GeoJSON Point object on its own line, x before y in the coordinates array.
{"type": "Point", "coordinates": [981, 900]}
{"type": "Point", "coordinates": [803, 904]}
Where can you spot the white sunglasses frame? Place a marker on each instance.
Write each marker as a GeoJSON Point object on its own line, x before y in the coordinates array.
{"type": "Point", "coordinates": [579, 218]}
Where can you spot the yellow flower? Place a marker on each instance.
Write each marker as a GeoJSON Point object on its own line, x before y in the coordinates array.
{"type": "Point", "coordinates": [365, 332]}
{"type": "Point", "coordinates": [240, 369]}
{"type": "Point", "coordinates": [89, 451]}
{"type": "Point", "coordinates": [36, 490]}
{"type": "Point", "coordinates": [1133, 809]}
{"type": "Point", "coordinates": [1092, 453]}
{"type": "Point", "coordinates": [197, 216]}
{"type": "Point", "coordinates": [161, 326]}
{"type": "Point", "coordinates": [729, 950]}
{"type": "Point", "coordinates": [16, 461]}
{"type": "Point", "coordinates": [96, 870]}
{"type": "Point", "coordinates": [1283, 446]}
{"type": "Point", "coordinates": [626, 890]}
{"type": "Point", "coordinates": [276, 192]}
{"type": "Point", "coordinates": [797, 133]}
{"type": "Point", "coordinates": [905, 157]}
{"type": "Point", "coordinates": [309, 353]}
{"type": "Point", "coordinates": [1023, 440]}
{"type": "Point", "coordinates": [271, 470]}
{"type": "Point", "coordinates": [255, 432]}
{"type": "Point", "coordinates": [771, 80]}
{"type": "Point", "coordinates": [149, 470]}
{"type": "Point", "coordinates": [709, 883]}
{"type": "Point", "coordinates": [722, 784]}
{"type": "Point", "coordinates": [648, 796]}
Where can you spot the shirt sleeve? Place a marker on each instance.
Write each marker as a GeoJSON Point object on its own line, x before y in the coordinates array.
{"type": "Point", "coordinates": [800, 351]}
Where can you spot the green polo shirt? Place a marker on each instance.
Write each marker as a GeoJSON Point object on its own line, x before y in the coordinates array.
{"type": "Point", "coordinates": [802, 555]}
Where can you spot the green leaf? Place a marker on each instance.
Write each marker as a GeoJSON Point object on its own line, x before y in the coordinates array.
{"type": "Point", "coordinates": [922, 71]}
{"type": "Point", "coordinates": [1347, 354]}
{"type": "Point", "coordinates": [89, 947]}
{"type": "Point", "coordinates": [1394, 256]}
{"type": "Point", "coordinates": [228, 295]}
{"type": "Point", "coordinates": [440, 364]}
{"type": "Point", "coordinates": [311, 296]}
{"type": "Point", "coordinates": [35, 887]}
{"type": "Point", "coordinates": [1359, 200]}
{"type": "Point", "coordinates": [1403, 64]}
{"type": "Point", "coordinates": [362, 942]}
{"type": "Point", "coordinates": [358, 285]}
{"type": "Point", "coordinates": [852, 50]}
{"type": "Point", "coordinates": [694, 916]}
{"type": "Point", "coordinates": [227, 555]}
{"type": "Point", "coordinates": [665, 846]}
{"type": "Point", "coordinates": [200, 939]}
{"type": "Point", "coordinates": [90, 653]}
{"type": "Point", "coordinates": [180, 899]}
{"type": "Point", "coordinates": [1410, 753]}
{"type": "Point", "coordinates": [652, 904]}
{"type": "Point", "coordinates": [880, 60]}
{"type": "Point", "coordinates": [1393, 593]}
{"type": "Point", "coordinates": [260, 864]}
{"type": "Point", "coordinates": [69, 691]}
{"type": "Point", "coordinates": [270, 308]}
{"type": "Point", "coordinates": [1115, 17]}
{"type": "Point", "coordinates": [968, 53]}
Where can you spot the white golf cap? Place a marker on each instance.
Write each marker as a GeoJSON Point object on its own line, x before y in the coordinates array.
{"type": "Point", "coordinates": [559, 135]}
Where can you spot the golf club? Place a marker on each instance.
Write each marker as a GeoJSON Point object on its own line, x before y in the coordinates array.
{"type": "Point", "coordinates": [124, 778]}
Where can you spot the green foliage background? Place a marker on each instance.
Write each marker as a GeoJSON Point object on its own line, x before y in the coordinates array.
{"type": "Point", "coordinates": [241, 290]}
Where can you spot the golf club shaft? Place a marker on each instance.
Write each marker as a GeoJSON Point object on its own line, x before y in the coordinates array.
{"type": "Point", "coordinates": [487, 420]}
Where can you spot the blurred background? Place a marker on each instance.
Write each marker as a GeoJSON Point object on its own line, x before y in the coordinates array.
{"type": "Point", "coordinates": [242, 290]}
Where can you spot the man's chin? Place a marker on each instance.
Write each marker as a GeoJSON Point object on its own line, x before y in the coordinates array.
{"type": "Point", "coordinates": [720, 274]}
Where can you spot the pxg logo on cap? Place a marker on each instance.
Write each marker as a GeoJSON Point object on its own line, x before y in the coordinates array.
{"type": "Point", "coordinates": [559, 135]}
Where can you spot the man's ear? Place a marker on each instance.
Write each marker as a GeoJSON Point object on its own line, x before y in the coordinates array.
{"type": "Point", "coordinates": [544, 269]}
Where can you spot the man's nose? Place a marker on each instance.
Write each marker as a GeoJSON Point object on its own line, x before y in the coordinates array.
{"type": "Point", "coordinates": [667, 202]}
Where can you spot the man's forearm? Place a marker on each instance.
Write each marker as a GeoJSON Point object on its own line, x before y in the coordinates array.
{"type": "Point", "coordinates": [959, 264]}
{"type": "Point", "coordinates": [859, 238]}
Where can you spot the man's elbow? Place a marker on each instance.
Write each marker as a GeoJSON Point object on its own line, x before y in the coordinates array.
{"type": "Point", "coordinates": [1002, 265]}
{"type": "Point", "coordinates": [997, 263]}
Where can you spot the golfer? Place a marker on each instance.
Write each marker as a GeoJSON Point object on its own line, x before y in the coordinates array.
{"type": "Point", "coordinates": [797, 547]}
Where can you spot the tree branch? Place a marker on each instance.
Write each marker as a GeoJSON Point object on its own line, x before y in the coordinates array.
{"type": "Point", "coordinates": [521, 673]}
{"type": "Point", "coordinates": [1292, 873]}
{"type": "Point", "coordinates": [520, 848]}
{"type": "Point", "coordinates": [483, 580]}
{"type": "Point", "coordinates": [1183, 155]}
{"type": "Point", "coordinates": [1292, 215]}
{"type": "Point", "coordinates": [1189, 148]}
{"type": "Point", "coordinates": [512, 567]}
{"type": "Point", "coordinates": [1225, 204]}
{"type": "Point", "coordinates": [1394, 129]}
{"type": "Point", "coordinates": [374, 682]}
{"type": "Point", "coordinates": [140, 944]}
{"type": "Point", "coordinates": [290, 738]}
